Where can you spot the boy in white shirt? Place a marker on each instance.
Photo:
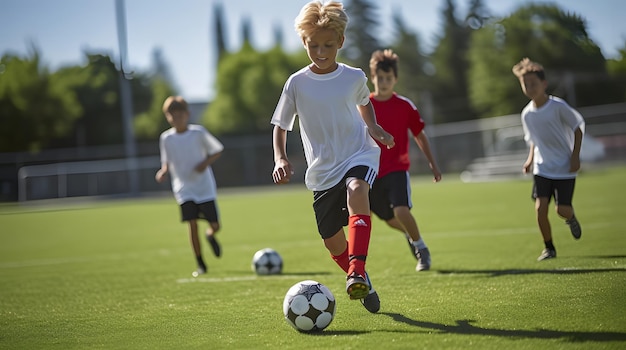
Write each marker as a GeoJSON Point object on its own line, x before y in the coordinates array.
{"type": "Point", "coordinates": [336, 119]}
{"type": "Point", "coordinates": [187, 152]}
{"type": "Point", "coordinates": [554, 131]}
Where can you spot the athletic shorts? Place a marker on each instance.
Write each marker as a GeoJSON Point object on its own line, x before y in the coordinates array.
{"type": "Point", "coordinates": [191, 211]}
{"type": "Point", "coordinates": [390, 191]}
{"type": "Point", "coordinates": [331, 206]}
{"type": "Point", "coordinates": [562, 190]}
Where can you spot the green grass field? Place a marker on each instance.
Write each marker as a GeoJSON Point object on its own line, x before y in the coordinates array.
{"type": "Point", "coordinates": [116, 274]}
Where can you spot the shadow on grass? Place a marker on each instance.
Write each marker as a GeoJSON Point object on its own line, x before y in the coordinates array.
{"type": "Point", "coordinates": [466, 327]}
{"type": "Point", "coordinates": [497, 273]}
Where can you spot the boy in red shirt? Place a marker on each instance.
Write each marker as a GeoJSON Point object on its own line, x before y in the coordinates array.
{"type": "Point", "coordinates": [390, 197]}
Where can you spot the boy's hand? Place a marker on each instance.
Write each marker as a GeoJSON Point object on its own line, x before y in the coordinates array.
{"type": "Point", "coordinates": [380, 135]}
{"type": "Point", "coordinates": [282, 172]}
{"type": "Point", "coordinates": [160, 176]}
{"type": "Point", "coordinates": [526, 168]}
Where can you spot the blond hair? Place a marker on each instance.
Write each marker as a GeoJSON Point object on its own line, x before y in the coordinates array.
{"type": "Point", "coordinates": [173, 104]}
{"type": "Point", "coordinates": [526, 66]}
{"type": "Point", "coordinates": [315, 16]}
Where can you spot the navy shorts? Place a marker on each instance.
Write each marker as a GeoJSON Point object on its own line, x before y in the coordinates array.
{"type": "Point", "coordinates": [331, 206]}
{"type": "Point", "coordinates": [562, 190]}
{"type": "Point", "coordinates": [390, 191]}
{"type": "Point", "coordinates": [192, 211]}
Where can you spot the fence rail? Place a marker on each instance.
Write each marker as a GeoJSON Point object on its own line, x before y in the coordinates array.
{"type": "Point", "coordinates": [248, 160]}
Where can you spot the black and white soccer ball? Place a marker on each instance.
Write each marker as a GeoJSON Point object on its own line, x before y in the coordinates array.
{"type": "Point", "coordinates": [309, 306]}
{"type": "Point", "coordinates": [267, 262]}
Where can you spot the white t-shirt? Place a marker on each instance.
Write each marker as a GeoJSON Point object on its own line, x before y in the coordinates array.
{"type": "Point", "coordinates": [334, 135]}
{"type": "Point", "coordinates": [551, 128]}
{"type": "Point", "coordinates": [182, 152]}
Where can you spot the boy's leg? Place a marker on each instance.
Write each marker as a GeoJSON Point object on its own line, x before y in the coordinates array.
{"type": "Point", "coordinates": [543, 189]}
{"type": "Point", "coordinates": [359, 225]}
{"type": "Point", "coordinates": [209, 212]}
{"type": "Point", "coordinates": [563, 199]}
{"type": "Point", "coordinates": [541, 208]}
{"type": "Point", "coordinates": [190, 214]}
{"type": "Point", "coordinates": [195, 245]}
{"type": "Point", "coordinates": [337, 246]}
{"type": "Point", "coordinates": [359, 232]}
{"type": "Point", "coordinates": [400, 199]}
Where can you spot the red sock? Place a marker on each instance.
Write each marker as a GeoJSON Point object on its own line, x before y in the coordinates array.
{"type": "Point", "coordinates": [359, 231]}
{"type": "Point", "coordinates": [342, 260]}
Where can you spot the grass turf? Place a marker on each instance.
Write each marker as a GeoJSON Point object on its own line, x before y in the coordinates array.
{"type": "Point", "coordinates": [117, 274]}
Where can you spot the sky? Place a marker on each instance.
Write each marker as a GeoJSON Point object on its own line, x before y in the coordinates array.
{"type": "Point", "coordinates": [63, 31]}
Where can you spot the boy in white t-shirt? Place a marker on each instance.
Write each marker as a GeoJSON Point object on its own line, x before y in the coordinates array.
{"type": "Point", "coordinates": [187, 152]}
{"type": "Point", "coordinates": [554, 131]}
{"type": "Point", "coordinates": [336, 120]}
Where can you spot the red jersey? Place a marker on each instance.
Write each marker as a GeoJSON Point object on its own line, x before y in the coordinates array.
{"type": "Point", "coordinates": [397, 116]}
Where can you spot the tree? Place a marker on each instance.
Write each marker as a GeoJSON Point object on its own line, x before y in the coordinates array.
{"type": "Point", "coordinates": [413, 64]}
{"type": "Point", "coordinates": [548, 35]}
{"type": "Point", "coordinates": [97, 87]}
{"type": "Point", "coordinates": [361, 38]}
{"type": "Point", "coordinates": [617, 71]}
{"type": "Point", "coordinates": [34, 108]}
{"type": "Point", "coordinates": [219, 31]}
{"type": "Point", "coordinates": [249, 84]}
{"type": "Point", "coordinates": [449, 83]}
{"type": "Point", "coordinates": [149, 92]}
{"type": "Point", "coordinates": [151, 122]}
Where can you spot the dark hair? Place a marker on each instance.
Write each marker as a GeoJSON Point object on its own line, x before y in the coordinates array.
{"type": "Point", "coordinates": [385, 60]}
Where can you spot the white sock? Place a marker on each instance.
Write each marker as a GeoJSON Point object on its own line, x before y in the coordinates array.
{"type": "Point", "coordinates": [419, 243]}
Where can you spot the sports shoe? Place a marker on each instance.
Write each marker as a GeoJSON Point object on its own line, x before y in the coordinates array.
{"type": "Point", "coordinates": [357, 286]}
{"type": "Point", "coordinates": [574, 226]}
{"type": "Point", "coordinates": [547, 254]}
{"type": "Point", "coordinates": [217, 250]}
{"type": "Point", "coordinates": [200, 271]}
{"type": "Point", "coordinates": [411, 246]}
{"type": "Point", "coordinates": [371, 302]}
{"type": "Point", "coordinates": [423, 259]}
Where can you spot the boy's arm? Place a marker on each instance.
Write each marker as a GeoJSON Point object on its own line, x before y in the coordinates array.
{"type": "Point", "coordinates": [210, 159]}
{"type": "Point", "coordinates": [422, 142]}
{"type": "Point", "coordinates": [529, 161]}
{"type": "Point", "coordinates": [282, 168]}
{"type": "Point", "coordinates": [574, 164]}
{"type": "Point", "coordinates": [161, 173]}
{"type": "Point", "coordinates": [377, 133]}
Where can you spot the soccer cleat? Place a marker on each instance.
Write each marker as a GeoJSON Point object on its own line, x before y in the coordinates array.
{"type": "Point", "coordinates": [547, 254]}
{"type": "Point", "coordinates": [371, 302]}
{"type": "Point", "coordinates": [357, 286]}
{"type": "Point", "coordinates": [217, 250]}
{"type": "Point", "coordinates": [574, 226]}
{"type": "Point", "coordinates": [423, 259]}
{"type": "Point", "coordinates": [411, 246]}
{"type": "Point", "coordinates": [200, 271]}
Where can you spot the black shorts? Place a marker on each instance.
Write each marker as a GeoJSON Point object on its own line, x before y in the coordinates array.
{"type": "Point", "coordinates": [390, 191]}
{"type": "Point", "coordinates": [191, 211]}
{"type": "Point", "coordinates": [562, 190]}
{"type": "Point", "coordinates": [331, 206]}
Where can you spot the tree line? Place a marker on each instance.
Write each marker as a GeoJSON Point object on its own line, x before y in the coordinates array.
{"type": "Point", "coordinates": [467, 75]}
